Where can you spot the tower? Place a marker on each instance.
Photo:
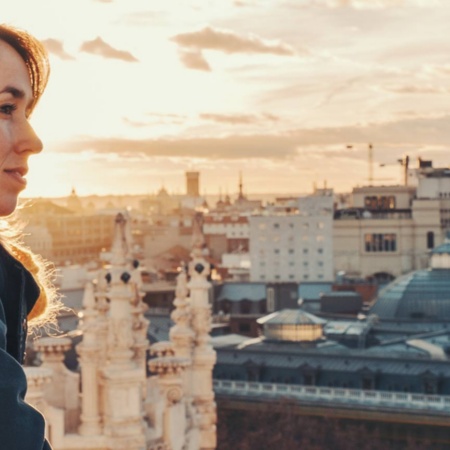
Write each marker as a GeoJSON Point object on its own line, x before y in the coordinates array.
{"type": "Point", "coordinates": [193, 184]}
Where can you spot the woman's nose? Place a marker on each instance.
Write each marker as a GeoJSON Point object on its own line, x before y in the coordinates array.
{"type": "Point", "coordinates": [28, 140]}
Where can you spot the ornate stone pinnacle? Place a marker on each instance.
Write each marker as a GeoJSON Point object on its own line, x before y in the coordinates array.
{"type": "Point", "coordinates": [119, 248]}
{"type": "Point", "coordinates": [89, 298]}
{"type": "Point", "coordinates": [198, 239]}
{"type": "Point", "coordinates": [181, 290]}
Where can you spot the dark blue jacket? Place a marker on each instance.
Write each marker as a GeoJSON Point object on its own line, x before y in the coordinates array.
{"type": "Point", "coordinates": [21, 426]}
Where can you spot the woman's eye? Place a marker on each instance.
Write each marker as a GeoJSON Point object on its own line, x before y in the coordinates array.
{"type": "Point", "coordinates": [8, 109]}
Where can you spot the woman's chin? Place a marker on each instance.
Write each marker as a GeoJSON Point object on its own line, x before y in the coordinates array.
{"type": "Point", "coordinates": [7, 205]}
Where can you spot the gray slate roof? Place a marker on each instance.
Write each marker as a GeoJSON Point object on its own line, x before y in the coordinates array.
{"type": "Point", "coordinates": [236, 292]}
{"type": "Point", "coordinates": [421, 294]}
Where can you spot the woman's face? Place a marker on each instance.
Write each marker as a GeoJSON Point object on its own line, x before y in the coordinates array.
{"type": "Point", "coordinates": [17, 138]}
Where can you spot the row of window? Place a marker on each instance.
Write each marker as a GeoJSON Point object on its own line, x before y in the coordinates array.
{"type": "Point", "coordinates": [305, 237]}
{"type": "Point", "coordinates": [292, 263]}
{"type": "Point", "coordinates": [305, 225]}
{"type": "Point", "coordinates": [305, 276]}
{"type": "Point", "coordinates": [380, 242]}
{"type": "Point", "coordinates": [291, 251]}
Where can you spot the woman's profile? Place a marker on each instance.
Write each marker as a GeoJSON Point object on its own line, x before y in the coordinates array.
{"type": "Point", "coordinates": [26, 294]}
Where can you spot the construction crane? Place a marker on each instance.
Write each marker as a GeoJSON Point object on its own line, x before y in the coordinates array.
{"type": "Point", "coordinates": [404, 163]}
{"type": "Point", "coordinates": [370, 160]}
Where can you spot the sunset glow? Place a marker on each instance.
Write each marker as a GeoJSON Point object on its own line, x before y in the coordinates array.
{"type": "Point", "coordinates": [290, 92]}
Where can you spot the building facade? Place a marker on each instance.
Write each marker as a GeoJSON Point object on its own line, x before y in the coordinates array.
{"type": "Point", "coordinates": [294, 245]}
{"type": "Point", "coordinates": [390, 230]}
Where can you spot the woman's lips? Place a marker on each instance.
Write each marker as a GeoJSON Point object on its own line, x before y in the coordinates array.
{"type": "Point", "coordinates": [18, 175]}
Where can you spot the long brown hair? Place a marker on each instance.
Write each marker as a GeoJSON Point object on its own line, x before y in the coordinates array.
{"type": "Point", "coordinates": [34, 54]}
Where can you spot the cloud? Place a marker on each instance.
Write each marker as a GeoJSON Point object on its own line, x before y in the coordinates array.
{"type": "Point", "coordinates": [156, 119]}
{"type": "Point", "coordinates": [194, 59]}
{"type": "Point", "coordinates": [238, 119]}
{"type": "Point", "coordinates": [230, 42]}
{"type": "Point", "coordinates": [403, 133]}
{"type": "Point", "coordinates": [100, 47]}
{"type": "Point", "coordinates": [56, 47]}
{"type": "Point", "coordinates": [360, 4]}
{"type": "Point", "coordinates": [376, 4]}
{"type": "Point", "coordinates": [415, 89]}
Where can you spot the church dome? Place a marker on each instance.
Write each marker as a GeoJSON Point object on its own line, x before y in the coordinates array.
{"type": "Point", "coordinates": [423, 294]}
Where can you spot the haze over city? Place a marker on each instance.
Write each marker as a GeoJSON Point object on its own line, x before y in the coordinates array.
{"type": "Point", "coordinates": [289, 92]}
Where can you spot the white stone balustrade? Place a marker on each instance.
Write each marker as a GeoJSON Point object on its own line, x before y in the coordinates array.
{"type": "Point", "coordinates": [397, 400]}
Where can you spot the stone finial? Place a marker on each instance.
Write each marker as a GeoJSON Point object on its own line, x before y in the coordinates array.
{"type": "Point", "coordinates": [181, 290]}
{"type": "Point", "coordinates": [119, 248]}
{"type": "Point", "coordinates": [198, 239]}
{"type": "Point", "coordinates": [89, 298]}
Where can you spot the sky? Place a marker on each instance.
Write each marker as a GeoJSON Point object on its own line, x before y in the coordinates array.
{"type": "Point", "coordinates": [288, 92]}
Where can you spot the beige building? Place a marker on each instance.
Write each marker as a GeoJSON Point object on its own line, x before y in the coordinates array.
{"type": "Point", "coordinates": [390, 230]}
{"type": "Point", "coordinates": [62, 235]}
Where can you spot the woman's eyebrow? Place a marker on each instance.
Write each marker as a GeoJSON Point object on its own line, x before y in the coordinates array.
{"type": "Point", "coordinates": [15, 92]}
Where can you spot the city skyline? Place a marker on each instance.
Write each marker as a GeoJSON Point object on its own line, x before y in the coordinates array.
{"type": "Point", "coordinates": [291, 93]}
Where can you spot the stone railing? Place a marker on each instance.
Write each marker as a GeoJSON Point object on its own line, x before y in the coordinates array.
{"type": "Point", "coordinates": [397, 400]}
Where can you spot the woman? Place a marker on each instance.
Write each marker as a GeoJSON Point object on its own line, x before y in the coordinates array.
{"type": "Point", "coordinates": [26, 294]}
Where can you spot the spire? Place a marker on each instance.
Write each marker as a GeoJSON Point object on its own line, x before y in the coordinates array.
{"type": "Point", "coordinates": [198, 239]}
{"type": "Point", "coordinates": [88, 297]}
{"type": "Point", "coordinates": [119, 248]}
{"type": "Point", "coordinates": [241, 184]}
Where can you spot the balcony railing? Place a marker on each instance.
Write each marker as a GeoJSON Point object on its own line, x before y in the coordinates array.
{"type": "Point", "coordinates": [396, 400]}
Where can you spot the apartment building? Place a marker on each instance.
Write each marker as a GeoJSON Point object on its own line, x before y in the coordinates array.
{"type": "Point", "coordinates": [391, 230]}
{"type": "Point", "coordinates": [295, 244]}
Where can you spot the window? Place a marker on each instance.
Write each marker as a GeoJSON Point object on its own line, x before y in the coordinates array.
{"type": "Point", "coordinates": [276, 225]}
{"type": "Point", "coordinates": [262, 226]}
{"type": "Point", "coordinates": [291, 251]}
{"type": "Point", "coordinates": [430, 240]}
{"type": "Point", "coordinates": [381, 242]}
{"type": "Point", "coordinates": [305, 250]}
{"type": "Point", "coordinates": [276, 250]}
{"type": "Point", "coordinates": [379, 202]}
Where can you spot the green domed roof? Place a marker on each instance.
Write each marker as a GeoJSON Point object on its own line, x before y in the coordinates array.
{"type": "Point", "coordinates": [423, 294]}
